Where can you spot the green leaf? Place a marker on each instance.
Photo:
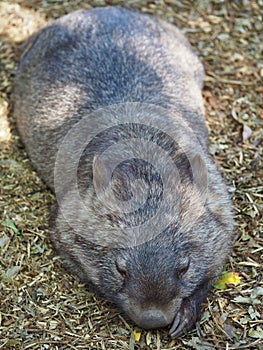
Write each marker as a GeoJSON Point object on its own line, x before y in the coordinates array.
{"type": "Point", "coordinates": [226, 278]}
{"type": "Point", "coordinates": [10, 224]}
{"type": "Point", "coordinates": [256, 333]}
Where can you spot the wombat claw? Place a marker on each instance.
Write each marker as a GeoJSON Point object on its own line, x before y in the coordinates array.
{"type": "Point", "coordinates": [185, 318]}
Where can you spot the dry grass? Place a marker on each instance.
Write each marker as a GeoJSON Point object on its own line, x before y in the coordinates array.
{"type": "Point", "coordinates": [41, 306]}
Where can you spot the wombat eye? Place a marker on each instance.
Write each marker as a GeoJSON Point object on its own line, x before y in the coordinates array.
{"type": "Point", "coordinates": [181, 270]}
{"type": "Point", "coordinates": [121, 267]}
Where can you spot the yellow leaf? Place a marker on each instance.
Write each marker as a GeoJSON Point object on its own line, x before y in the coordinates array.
{"type": "Point", "coordinates": [137, 334]}
{"type": "Point", "coordinates": [226, 278]}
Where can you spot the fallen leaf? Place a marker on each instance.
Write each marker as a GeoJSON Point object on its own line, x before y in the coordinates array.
{"type": "Point", "coordinates": [212, 103]}
{"type": "Point", "coordinates": [9, 223]}
{"type": "Point", "coordinates": [226, 278]}
{"type": "Point", "coordinates": [137, 334]}
{"type": "Point", "coordinates": [246, 300]}
{"type": "Point", "coordinates": [13, 342]}
{"type": "Point", "coordinates": [230, 330]}
{"type": "Point", "coordinates": [247, 132]}
{"type": "Point", "coordinates": [256, 333]}
{"type": "Point", "coordinates": [11, 272]}
{"type": "Point", "coordinates": [256, 292]}
{"type": "Point", "coordinates": [3, 241]}
{"type": "Point", "coordinates": [197, 344]}
{"type": "Point", "coordinates": [253, 313]}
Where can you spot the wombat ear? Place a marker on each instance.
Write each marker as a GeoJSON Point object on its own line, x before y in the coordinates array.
{"type": "Point", "coordinates": [101, 174]}
{"type": "Point", "coordinates": [183, 267]}
{"type": "Point", "coordinates": [199, 171]}
{"type": "Point", "coordinates": [121, 266]}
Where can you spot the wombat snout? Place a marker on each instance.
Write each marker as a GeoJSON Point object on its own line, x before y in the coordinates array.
{"type": "Point", "coordinates": [152, 319]}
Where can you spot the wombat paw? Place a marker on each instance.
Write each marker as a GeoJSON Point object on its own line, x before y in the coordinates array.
{"type": "Point", "coordinates": [185, 319]}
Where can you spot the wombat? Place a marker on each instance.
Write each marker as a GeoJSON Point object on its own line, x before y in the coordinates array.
{"type": "Point", "coordinates": [91, 88]}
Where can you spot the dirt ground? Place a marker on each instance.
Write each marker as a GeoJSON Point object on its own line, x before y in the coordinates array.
{"type": "Point", "coordinates": [43, 307]}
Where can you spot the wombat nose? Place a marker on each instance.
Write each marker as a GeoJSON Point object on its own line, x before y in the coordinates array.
{"type": "Point", "coordinates": [153, 319]}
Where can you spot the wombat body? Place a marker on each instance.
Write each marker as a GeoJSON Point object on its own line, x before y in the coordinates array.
{"type": "Point", "coordinates": [146, 70]}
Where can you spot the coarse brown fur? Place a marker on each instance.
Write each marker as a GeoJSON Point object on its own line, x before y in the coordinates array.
{"type": "Point", "coordinates": [95, 59]}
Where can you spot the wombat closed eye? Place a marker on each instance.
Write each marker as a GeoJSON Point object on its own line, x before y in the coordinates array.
{"type": "Point", "coordinates": [108, 104]}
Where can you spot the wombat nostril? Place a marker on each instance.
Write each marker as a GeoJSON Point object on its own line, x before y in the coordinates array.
{"type": "Point", "coordinates": [153, 319]}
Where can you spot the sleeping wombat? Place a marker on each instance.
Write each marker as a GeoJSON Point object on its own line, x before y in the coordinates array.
{"type": "Point", "coordinates": [108, 104]}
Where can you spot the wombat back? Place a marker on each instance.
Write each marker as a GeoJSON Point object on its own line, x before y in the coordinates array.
{"type": "Point", "coordinates": [92, 59]}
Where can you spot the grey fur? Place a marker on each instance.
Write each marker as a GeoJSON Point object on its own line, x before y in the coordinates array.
{"type": "Point", "coordinates": [93, 59]}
